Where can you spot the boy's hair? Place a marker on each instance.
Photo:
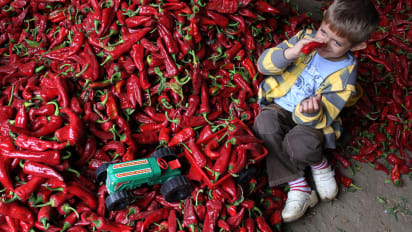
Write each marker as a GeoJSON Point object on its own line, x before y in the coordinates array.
{"type": "Point", "coordinates": [354, 20]}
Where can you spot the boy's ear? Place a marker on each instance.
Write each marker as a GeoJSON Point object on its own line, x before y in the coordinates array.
{"type": "Point", "coordinates": [358, 46]}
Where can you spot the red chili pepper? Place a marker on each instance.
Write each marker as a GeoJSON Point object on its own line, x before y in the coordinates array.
{"type": "Point", "coordinates": [266, 7]}
{"type": "Point", "coordinates": [78, 40]}
{"type": "Point", "coordinates": [379, 166]}
{"type": "Point", "coordinates": [151, 112]}
{"type": "Point", "coordinates": [310, 47]}
{"type": "Point", "coordinates": [170, 65]}
{"type": "Point", "coordinates": [172, 221]}
{"type": "Point", "coordinates": [250, 224]}
{"type": "Point", "coordinates": [42, 170]}
{"type": "Point", "coordinates": [46, 157]}
{"type": "Point", "coordinates": [210, 149]}
{"type": "Point", "coordinates": [137, 54]}
{"type": "Point", "coordinates": [36, 144]}
{"type": "Point", "coordinates": [204, 100]}
{"type": "Point", "coordinates": [167, 38]}
{"type": "Point", "coordinates": [72, 133]}
{"type": "Point", "coordinates": [17, 211]}
{"type": "Point", "coordinates": [44, 216]}
{"type": "Point", "coordinates": [342, 160]}
{"type": "Point", "coordinates": [213, 208]}
{"type": "Point", "coordinates": [155, 216]}
{"type": "Point", "coordinates": [136, 20]}
{"type": "Point", "coordinates": [182, 136]}
{"type": "Point", "coordinates": [134, 94]}
{"type": "Point", "coordinates": [5, 178]}
{"type": "Point", "coordinates": [189, 216]}
{"type": "Point", "coordinates": [145, 202]}
{"type": "Point", "coordinates": [404, 169]}
{"type": "Point", "coordinates": [242, 84]}
{"type": "Point", "coordinates": [153, 127]}
{"type": "Point", "coordinates": [346, 181]}
{"type": "Point", "coordinates": [23, 192]}
{"type": "Point", "coordinates": [222, 224]}
{"type": "Point", "coordinates": [5, 113]}
{"type": "Point", "coordinates": [220, 20]}
{"type": "Point", "coordinates": [396, 176]}
{"type": "Point", "coordinates": [85, 195]}
{"type": "Point", "coordinates": [221, 163]}
{"type": "Point", "coordinates": [276, 219]}
{"type": "Point", "coordinates": [237, 219]}
{"type": "Point", "coordinates": [193, 102]}
{"type": "Point", "coordinates": [393, 159]}
{"type": "Point", "coordinates": [378, 60]}
{"type": "Point", "coordinates": [229, 186]}
{"type": "Point", "coordinates": [117, 51]}
{"type": "Point", "coordinates": [262, 224]}
{"type": "Point", "coordinates": [21, 119]}
{"type": "Point", "coordinates": [102, 223]}
{"type": "Point", "coordinates": [60, 37]}
{"type": "Point", "coordinates": [196, 153]}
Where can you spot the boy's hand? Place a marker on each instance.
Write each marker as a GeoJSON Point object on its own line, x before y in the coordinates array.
{"type": "Point", "coordinates": [311, 105]}
{"type": "Point", "coordinates": [296, 51]}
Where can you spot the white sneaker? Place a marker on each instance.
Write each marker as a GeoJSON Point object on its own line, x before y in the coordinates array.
{"type": "Point", "coordinates": [325, 183]}
{"type": "Point", "coordinates": [297, 203]}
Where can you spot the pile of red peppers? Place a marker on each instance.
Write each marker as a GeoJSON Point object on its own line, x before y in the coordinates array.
{"type": "Point", "coordinates": [381, 122]}
{"type": "Point", "coordinates": [87, 82]}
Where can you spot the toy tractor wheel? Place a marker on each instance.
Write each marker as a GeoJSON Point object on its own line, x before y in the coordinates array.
{"type": "Point", "coordinates": [117, 201]}
{"type": "Point", "coordinates": [176, 189]}
{"type": "Point", "coordinates": [101, 173]}
{"type": "Point", "coordinates": [246, 174]}
{"type": "Point", "coordinates": [165, 153]}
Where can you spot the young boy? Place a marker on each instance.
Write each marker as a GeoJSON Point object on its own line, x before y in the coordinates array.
{"type": "Point", "coordinates": [301, 101]}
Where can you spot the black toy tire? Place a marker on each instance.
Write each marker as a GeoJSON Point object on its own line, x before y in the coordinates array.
{"type": "Point", "coordinates": [245, 175]}
{"type": "Point", "coordinates": [117, 201]}
{"type": "Point", "coordinates": [101, 173]}
{"type": "Point", "coordinates": [165, 153]}
{"type": "Point", "coordinates": [176, 189]}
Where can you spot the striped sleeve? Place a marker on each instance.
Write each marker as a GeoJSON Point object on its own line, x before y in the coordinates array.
{"type": "Point", "coordinates": [272, 61]}
{"type": "Point", "coordinates": [332, 104]}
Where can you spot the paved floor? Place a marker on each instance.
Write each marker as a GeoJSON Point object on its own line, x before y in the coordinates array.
{"type": "Point", "coordinates": [379, 206]}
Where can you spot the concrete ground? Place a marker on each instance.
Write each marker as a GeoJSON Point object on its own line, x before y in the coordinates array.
{"type": "Point", "coordinates": [378, 206]}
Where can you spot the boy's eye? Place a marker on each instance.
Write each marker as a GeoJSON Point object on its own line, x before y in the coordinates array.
{"type": "Point", "coordinates": [337, 43]}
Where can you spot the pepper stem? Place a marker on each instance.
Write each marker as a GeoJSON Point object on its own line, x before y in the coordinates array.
{"type": "Point", "coordinates": [11, 95]}
{"type": "Point", "coordinates": [15, 197]}
{"type": "Point", "coordinates": [77, 173]}
{"type": "Point", "coordinates": [56, 111]}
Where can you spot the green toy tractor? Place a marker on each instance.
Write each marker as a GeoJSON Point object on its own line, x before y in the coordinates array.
{"type": "Point", "coordinates": [162, 167]}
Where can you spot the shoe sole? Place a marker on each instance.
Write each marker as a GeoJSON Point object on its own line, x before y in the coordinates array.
{"type": "Point", "coordinates": [313, 200]}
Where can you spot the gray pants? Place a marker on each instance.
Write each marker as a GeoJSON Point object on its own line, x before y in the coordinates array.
{"type": "Point", "coordinates": [291, 147]}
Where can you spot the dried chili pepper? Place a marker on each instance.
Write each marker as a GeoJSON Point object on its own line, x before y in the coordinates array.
{"type": "Point", "coordinates": [213, 208]}
{"type": "Point", "coordinates": [36, 144]}
{"type": "Point", "coordinates": [396, 176]}
{"type": "Point", "coordinates": [182, 136]}
{"type": "Point", "coordinates": [222, 161]}
{"type": "Point", "coordinates": [393, 159]}
{"type": "Point", "coordinates": [17, 211]}
{"type": "Point", "coordinates": [189, 216]}
{"type": "Point", "coordinates": [42, 170]}
{"type": "Point", "coordinates": [72, 133]}
{"type": "Point", "coordinates": [196, 153]}
{"type": "Point", "coordinates": [46, 157]}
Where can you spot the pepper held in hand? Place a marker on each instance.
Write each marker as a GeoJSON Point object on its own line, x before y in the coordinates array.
{"type": "Point", "coordinates": [310, 47]}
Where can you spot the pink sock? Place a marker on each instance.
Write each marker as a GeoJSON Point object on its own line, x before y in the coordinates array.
{"type": "Point", "coordinates": [299, 184]}
{"type": "Point", "coordinates": [322, 165]}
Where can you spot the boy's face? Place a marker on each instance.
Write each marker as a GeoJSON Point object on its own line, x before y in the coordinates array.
{"type": "Point", "coordinates": [336, 46]}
